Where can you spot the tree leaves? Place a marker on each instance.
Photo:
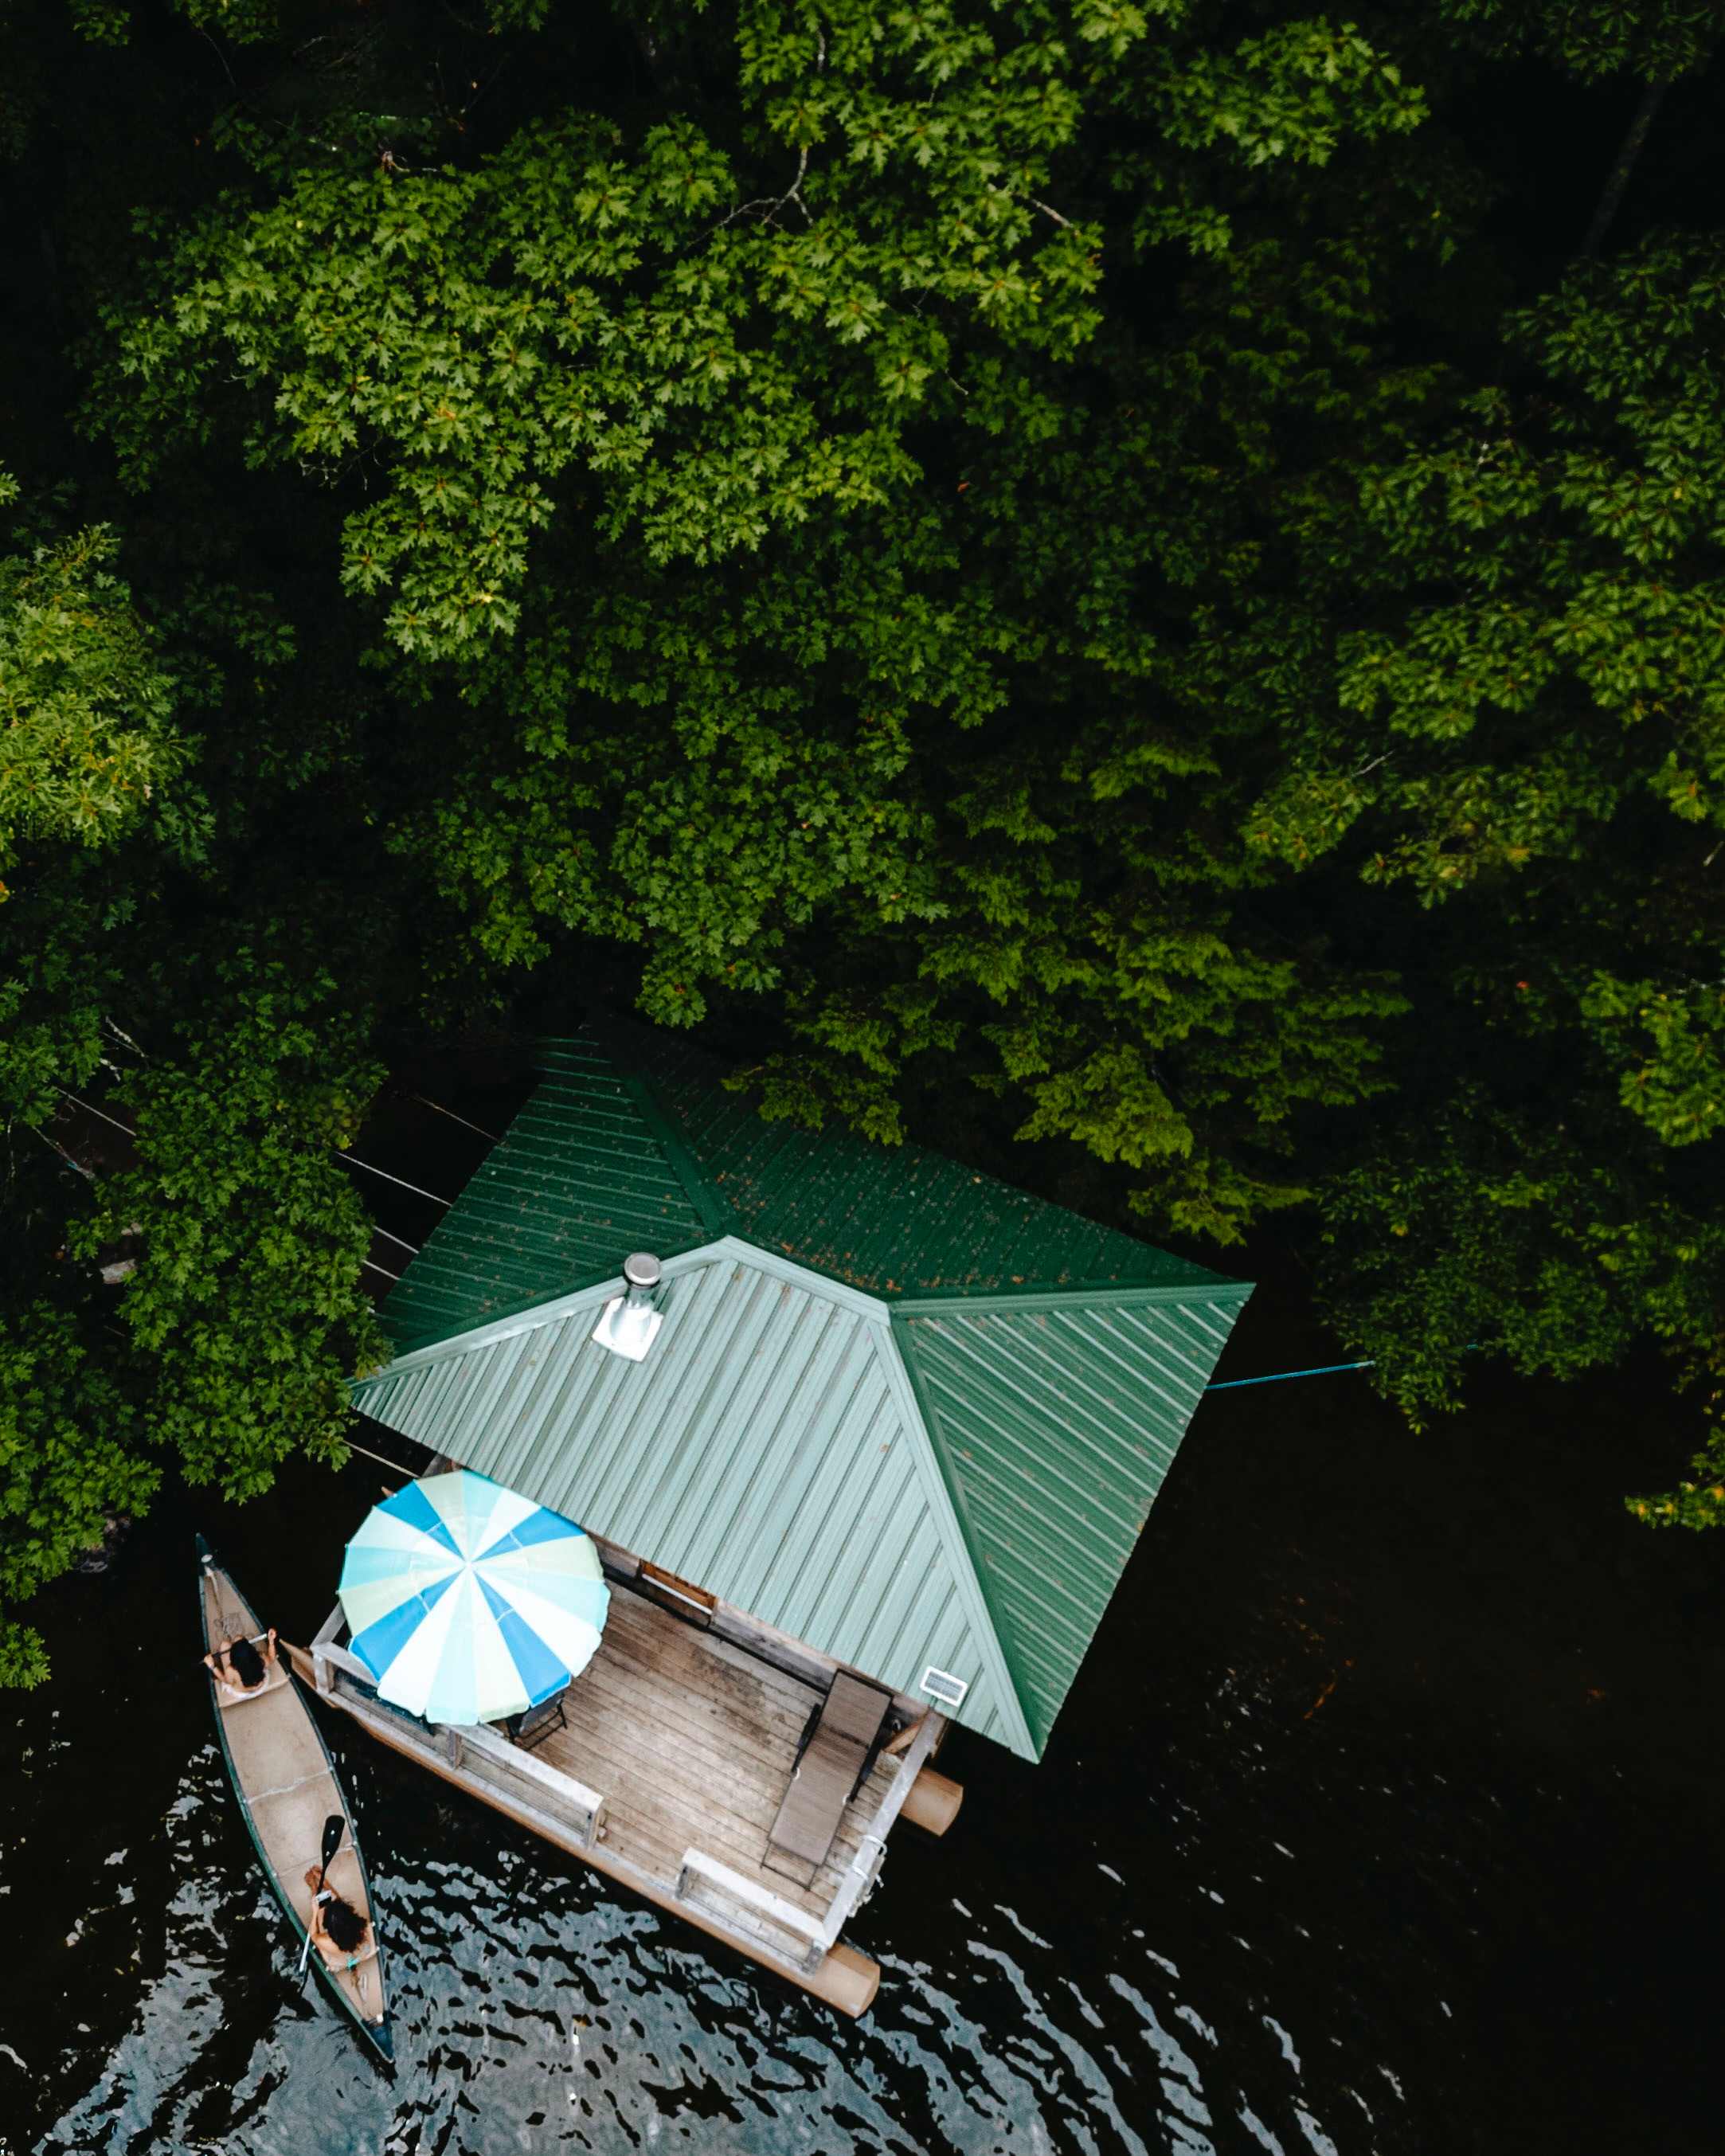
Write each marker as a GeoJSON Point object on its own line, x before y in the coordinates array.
{"type": "Point", "coordinates": [68, 1458]}
{"type": "Point", "coordinates": [246, 1306]}
{"type": "Point", "coordinates": [1046, 555]}
{"type": "Point", "coordinates": [87, 737]}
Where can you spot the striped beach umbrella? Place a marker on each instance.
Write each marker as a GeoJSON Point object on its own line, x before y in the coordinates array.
{"type": "Point", "coordinates": [468, 1603]}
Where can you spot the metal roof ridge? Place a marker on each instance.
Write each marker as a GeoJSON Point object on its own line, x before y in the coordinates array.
{"type": "Point", "coordinates": [942, 1501]}
{"type": "Point", "coordinates": [555, 1308]}
{"type": "Point", "coordinates": [716, 1215]}
{"type": "Point", "coordinates": [1218, 1288]}
{"type": "Point", "coordinates": [530, 1318]}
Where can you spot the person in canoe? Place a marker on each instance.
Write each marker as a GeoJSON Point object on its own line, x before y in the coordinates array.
{"type": "Point", "coordinates": [238, 1668]}
{"type": "Point", "coordinates": [338, 1931]}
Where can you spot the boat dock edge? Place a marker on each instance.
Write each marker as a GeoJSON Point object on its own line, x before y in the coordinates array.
{"type": "Point", "coordinates": [844, 1979]}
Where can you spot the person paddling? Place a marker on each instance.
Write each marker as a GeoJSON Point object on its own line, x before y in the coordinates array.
{"type": "Point", "coordinates": [238, 1668]}
{"type": "Point", "coordinates": [341, 1934]}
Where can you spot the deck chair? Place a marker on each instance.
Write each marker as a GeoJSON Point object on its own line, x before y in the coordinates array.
{"type": "Point", "coordinates": [537, 1724]}
{"type": "Point", "coordinates": [838, 1749]}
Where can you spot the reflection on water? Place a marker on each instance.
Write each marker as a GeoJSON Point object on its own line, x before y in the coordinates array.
{"type": "Point", "coordinates": [1285, 1884]}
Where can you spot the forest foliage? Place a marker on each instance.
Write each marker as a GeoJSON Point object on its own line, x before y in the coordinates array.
{"type": "Point", "coordinates": [1159, 564]}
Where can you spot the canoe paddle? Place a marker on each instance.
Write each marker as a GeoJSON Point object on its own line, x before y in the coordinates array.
{"type": "Point", "coordinates": [334, 1827]}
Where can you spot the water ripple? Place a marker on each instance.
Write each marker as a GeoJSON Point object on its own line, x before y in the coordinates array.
{"type": "Point", "coordinates": [1217, 1924]}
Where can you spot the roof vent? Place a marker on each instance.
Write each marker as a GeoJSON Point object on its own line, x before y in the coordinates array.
{"type": "Point", "coordinates": [629, 1323]}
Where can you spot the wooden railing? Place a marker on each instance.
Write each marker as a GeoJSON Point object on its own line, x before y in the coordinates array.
{"type": "Point", "coordinates": [526, 1783]}
{"type": "Point", "coordinates": [804, 1944]}
{"type": "Point", "coordinates": [544, 1798]}
{"type": "Point", "coordinates": [864, 1869]}
{"type": "Point", "coordinates": [803, 1939]}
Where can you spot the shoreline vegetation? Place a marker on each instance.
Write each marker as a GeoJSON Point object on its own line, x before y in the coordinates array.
{"type": "Point", "coordinates": [1134, 596]}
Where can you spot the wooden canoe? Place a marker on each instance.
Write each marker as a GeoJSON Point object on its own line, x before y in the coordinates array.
{"type": "Point", "coordinates": [286, 1784]}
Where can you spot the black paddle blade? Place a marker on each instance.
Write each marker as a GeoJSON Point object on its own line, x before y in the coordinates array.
{"type": "Point", "coordinates": [334, 1827]}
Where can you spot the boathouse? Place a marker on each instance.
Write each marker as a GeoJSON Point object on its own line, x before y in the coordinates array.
{"type": "Point", "coordinates": [854, 1412]}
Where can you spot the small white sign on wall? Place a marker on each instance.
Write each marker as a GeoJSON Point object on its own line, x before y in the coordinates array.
{"type": "Point", "coordinates": [943, 1685]}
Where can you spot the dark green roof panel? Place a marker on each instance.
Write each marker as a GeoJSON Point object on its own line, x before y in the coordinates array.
{"type": "Point", "coordinates": [580, 1178]}
{"type": "Point", "coordinates": [1054, 1427]}
{"type": "Point", "coordinates": [598, 1164]}
{"type": "Point", "coordinates": [892, 1220]}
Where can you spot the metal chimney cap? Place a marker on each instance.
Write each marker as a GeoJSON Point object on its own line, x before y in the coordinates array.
{"type": "Point", "coordinates": [641, 1269]}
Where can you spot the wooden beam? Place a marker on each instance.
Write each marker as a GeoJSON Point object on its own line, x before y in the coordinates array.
{"type": "Point", "coordinates": [773, 1906]}
{"type": "Point", "coordinates": [780, 1651]}
{"type": "Point", "coordinates": [327, 1634]}
{"type": "Point", "coordinates": [481, 1742]}
{"type": "Point", "coordinates": [859, 1881]}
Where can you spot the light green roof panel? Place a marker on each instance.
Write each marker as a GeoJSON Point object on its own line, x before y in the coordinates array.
{"type": "Point", "coordinates": [768, 1448]}
{"type": "Point", "coordinates": [1054, 1422]}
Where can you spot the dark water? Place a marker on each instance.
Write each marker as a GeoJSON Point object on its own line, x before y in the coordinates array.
{"type": "Point", "coordinates": [1384, 1819]}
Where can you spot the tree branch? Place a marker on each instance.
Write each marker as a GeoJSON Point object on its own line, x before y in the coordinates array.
{"type": "Point", "coordinates": [1617, 179]}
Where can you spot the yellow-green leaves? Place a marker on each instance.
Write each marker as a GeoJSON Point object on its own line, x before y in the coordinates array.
{"type": "Point", "coordinates": [1668, 1042]}
{"type": "Point", "coordinates": [87, 741]}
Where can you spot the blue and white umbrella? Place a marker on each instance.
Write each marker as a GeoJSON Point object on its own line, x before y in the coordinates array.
{"type": "Point", "coordinates": [469, 1603]}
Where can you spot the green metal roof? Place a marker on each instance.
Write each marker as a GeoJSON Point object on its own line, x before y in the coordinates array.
{"type": "Point", "coordinates": [768, 1448]}
{"type": "Point", "coordinates": [897, 1410]}
{"type": "Point", "coordinates": [1054, 1426]}
{"type": "Point", "coordinates": [665, 1156]}
{"type": "Point", "coordinates": [581, 1177]}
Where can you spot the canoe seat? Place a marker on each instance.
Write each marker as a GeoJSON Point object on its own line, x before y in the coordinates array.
{"type": "Point", "coordinates": [837, 1750]}
{"type": "Point", "coordinates": [273, 1682]}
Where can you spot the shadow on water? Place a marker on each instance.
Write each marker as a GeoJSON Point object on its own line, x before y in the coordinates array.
{"type": "Point", "coordinates": [1382, 1820]}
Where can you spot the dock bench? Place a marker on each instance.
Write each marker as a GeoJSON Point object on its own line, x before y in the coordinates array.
{"type": "Point", "coordinates": [837, 1753]}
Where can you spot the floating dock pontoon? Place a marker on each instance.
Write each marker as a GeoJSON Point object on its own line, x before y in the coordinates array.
{"type": "Point", "coordinates": [676, 1745]}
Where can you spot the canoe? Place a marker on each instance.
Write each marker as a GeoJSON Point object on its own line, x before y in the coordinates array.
{"type": "Point", "coordinates": [286, 1784]}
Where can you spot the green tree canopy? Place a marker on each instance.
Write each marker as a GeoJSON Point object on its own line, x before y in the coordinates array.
{"type": "Point", "coordinates": [1148, 567]}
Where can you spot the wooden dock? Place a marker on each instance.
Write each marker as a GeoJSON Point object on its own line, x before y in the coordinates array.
{"type": "Point", "coordinates": [679, 1742]}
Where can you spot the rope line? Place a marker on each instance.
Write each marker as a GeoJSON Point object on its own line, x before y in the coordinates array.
{"type": "Point", "coordinates": [453, 1117]}
{"type": "Point", "coordinates": [88, 1173]}
{"type": "Point", "coordinates": [354, 1161]}
{"type": "Point", "coordinates": [103, 1113]}
{"type": "Point", "coordinates": [394, 1466]}
{"type": "Point", "coordinates": [1276, 1377]}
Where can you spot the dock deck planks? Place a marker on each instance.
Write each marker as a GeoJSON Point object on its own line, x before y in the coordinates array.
{"type": "Point", "coordinates": [691, 1742]}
